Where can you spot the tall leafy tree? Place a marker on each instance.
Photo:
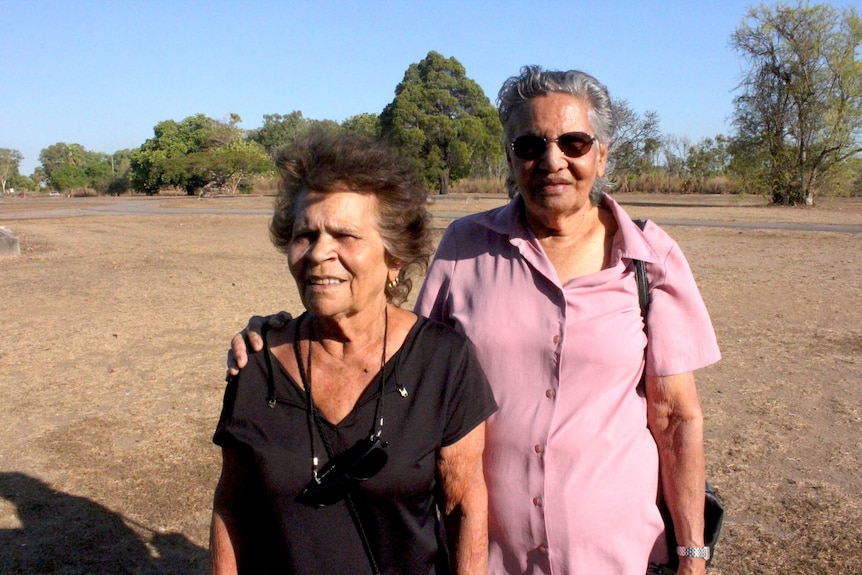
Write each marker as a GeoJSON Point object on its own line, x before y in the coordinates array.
{"type": "Point", "coordinates": [158, 162]}
{"type": "Point", "coordinates": [69, 177]}
{"type": "Point", "coordinates": [71, 166]}
{"type": "Point", "coordinates": [61, 155]}
{"type": "Point", "coordinates": [10, 161]}
{"type": "Point", "coordinates": [194, 153]}
{"type": "Point", "coordinates": [443, 122]}
{"type": "Point", "coordinates": [229, 167]}
{"type": "Point", "coordinates": [98, 171]}
{"type": "Point", "coordinates": [121, 167]}
{"type": "Point", "coordinates": [279, 130]}
{"type": "Point", "coordinates": [799, 113]}
{"type": "Point", "coordinates": [38, 177]}
{"type": "Point", "coordinates": [367, 125]}
{"type": "Point", "coordinates": [709, 157]}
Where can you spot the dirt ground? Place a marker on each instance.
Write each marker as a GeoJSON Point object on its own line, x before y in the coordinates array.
{"type": "Point", "coordinates": [116, 319]}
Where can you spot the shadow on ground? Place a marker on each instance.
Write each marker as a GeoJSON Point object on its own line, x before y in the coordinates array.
{"type": "Point", "coordinates": [68, 535]}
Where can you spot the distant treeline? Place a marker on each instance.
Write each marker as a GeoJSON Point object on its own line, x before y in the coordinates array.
{"type": "Point", "coordinates": [797, 119]}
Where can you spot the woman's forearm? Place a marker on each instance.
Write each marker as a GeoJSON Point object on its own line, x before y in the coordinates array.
{"type": "Point", "coordinates": [222, 552]}
{"type": "Point", "coordinates": [683, 478]}
{"type": "Point", "coordinates": [465, 500]}
{"type": "Point", "coordinates": [467, 528]}
{"type": "Point", "coordinates": [223, 529]}
{"type": "Point", "coordinates": [676, 422]}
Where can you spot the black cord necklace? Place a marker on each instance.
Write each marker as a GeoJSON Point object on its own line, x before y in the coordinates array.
{"type": "Point", "coordinates": [305, 376]}
{"type": "Point", "coordinates": [378, 416]}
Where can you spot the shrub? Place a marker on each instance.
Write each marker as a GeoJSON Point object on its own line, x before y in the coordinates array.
{"type": "Point", "coordinates": [485, 185]}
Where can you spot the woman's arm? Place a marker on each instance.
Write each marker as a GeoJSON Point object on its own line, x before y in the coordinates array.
{"type": "Point", "coordinates": [676, 422]}
{"type": "Point", "coordinates": [224, 550]}
{"type": "Point", "coordinates": [465, 501]}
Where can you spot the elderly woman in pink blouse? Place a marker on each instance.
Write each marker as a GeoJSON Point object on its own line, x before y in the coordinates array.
{"type": "Point", "coordinates": [545, 288]}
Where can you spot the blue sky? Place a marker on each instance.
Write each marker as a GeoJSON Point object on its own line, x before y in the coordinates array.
{"type": "Point", "coordinates": [102, 74]}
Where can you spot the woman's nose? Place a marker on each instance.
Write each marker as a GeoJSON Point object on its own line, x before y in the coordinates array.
{"type": "Point", "coordinates": [553, 159]}
{"type": "Point", "coordinates": [320, 249]}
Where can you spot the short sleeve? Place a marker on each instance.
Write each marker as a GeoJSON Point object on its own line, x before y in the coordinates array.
{"type": "Point", "coordinates": [223, 436]}
{"type": "Point", "coordinates": [469, 399]}
{"type": "Point", "coordinates": [244, 405]}
{"type": "Point", "coordinates": [681, 336]}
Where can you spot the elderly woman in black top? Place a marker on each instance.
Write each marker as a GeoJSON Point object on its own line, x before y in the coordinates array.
{"type": "Point", "coordinates": [359, 424]}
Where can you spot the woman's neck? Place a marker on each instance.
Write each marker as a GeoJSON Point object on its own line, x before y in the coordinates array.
{"type": "Point", "coordinates": [348, 336]}
{"type": "Point", "coordinates": [579, 245]}
{"type": "Point", "coordinates": [569, 226]}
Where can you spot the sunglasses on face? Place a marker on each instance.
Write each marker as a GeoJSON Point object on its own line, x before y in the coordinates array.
{"type": "Point", "coordinates": [572, 144]}
{"type": "Point", "coordinates": [361, 462]}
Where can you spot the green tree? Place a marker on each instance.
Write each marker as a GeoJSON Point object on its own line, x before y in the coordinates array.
{"type": "Point", "coordinates": [10, 161]}
{"type": "Point", "coordinates": [68, 178]}
{"type": "Point", "coordinates": [279, 131]}
{"type": "Point", "coordinates": [855, 167]}
{"type": "Point", "coordinates": [799, 113]}
{"type": "Point", "coordinates": [708, 158]}
{"type": "Point", "coordinates": [39, 176]}
{"type": "Point", "coordinates": [330, 126]}
{"type": "Point", "coordinates": [71, 166]}
{"type": "Point", "coordinates": [443, 122]}
{"type": "Point", "coordinates": [162, 161]}
{"type": "Point", "coordinates": [367, 125]}
{"type": "Point", "coordinates": [98, 170]}
{"type": "Point", "coordinates": [196, 153]}
{"type": "Point", "coordinates": [229, 167]}
{"type": "Point", "coordinates": [60, 155]}
{"type": "Point", "coordinates": [121, 165]}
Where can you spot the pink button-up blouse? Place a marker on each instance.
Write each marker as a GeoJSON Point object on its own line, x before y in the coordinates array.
{"type": "Point", "coordinates": [572, 469]}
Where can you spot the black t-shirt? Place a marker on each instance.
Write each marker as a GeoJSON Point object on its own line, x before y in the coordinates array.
{"type": "Point", "coordinates": [447, 396]}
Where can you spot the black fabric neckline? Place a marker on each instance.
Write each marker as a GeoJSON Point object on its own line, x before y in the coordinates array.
{"type": "Point", "coordinates": [293, 395]}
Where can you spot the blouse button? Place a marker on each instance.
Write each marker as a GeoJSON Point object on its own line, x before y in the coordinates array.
{"type": "Point", "coordinates": [539, 448]}
{"type": "Point", "coordinates": [537, 501]}
{"type": "Point", "coordinates": [557, 339]}
{"type": "Point", "coordinates": [550, 394]}
{"type": "Point", "coordinates": [542, 549]}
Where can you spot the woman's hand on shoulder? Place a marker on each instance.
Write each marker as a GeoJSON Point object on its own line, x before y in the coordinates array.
{"type": "Point", "coordinates": [249, 339]}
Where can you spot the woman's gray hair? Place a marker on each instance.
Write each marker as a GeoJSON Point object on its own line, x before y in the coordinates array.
{"type": "Point", "coordinates": [534, 81]}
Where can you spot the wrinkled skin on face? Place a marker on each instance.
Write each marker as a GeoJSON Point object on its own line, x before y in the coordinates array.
{"type": "Point", "coordinates": [554, 186]}
{"type": "Point", "coordinates": [337, 255]}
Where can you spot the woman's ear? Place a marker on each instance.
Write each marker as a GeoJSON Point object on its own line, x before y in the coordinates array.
{"type": "Point", "coordinates": [393, 275]}
{"type": "Point", "coordinates": [601, 160]}
{"type": "Point", "coordinates": [394, 266]}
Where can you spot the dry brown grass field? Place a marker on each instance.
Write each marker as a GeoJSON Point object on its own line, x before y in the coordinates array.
{"type": "Point", "coordinates": [116, 319]}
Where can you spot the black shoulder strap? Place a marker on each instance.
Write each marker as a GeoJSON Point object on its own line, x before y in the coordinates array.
{"type": "Point", "coordinates": [643, 283]}
{"type": "Point", "coordinates": [643, 296]}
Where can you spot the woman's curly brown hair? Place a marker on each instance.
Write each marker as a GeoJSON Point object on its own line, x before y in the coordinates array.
{"type": "Point", "coordinates": [323, 160]}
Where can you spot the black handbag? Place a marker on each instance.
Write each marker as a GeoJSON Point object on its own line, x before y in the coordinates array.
{"type": "Point", "coordinates": [713, 509]}
{"type": "Point", "coordinates": [713, 516]}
